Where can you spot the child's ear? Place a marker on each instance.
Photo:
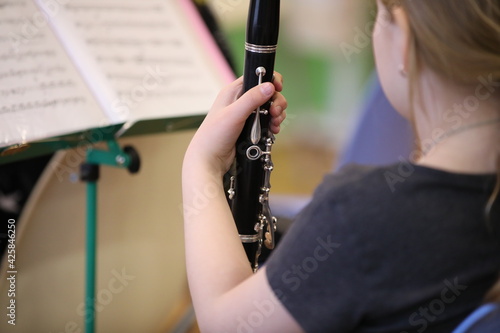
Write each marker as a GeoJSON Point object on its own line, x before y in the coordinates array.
{"type": "Point", "coordinates": [403, 24]}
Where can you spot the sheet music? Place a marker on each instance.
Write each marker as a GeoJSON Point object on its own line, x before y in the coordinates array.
{"type": "Point", "coordinates": [148, 55]}
{"type": "Point", "coordinates": [41, 93]}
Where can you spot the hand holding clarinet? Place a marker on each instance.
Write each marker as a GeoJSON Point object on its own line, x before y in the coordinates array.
{"type": "Point", "coordinates": [213, 146]}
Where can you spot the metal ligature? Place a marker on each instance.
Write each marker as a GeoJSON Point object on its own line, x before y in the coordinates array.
{"type": "Point", "coordinates": [250, 175]}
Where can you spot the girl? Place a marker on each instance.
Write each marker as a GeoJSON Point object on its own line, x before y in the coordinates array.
{"type": "Point", "coordinates": [410, 247]}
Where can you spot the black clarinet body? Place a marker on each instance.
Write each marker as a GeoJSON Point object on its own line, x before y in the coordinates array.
{"type": "Point", "coordinates": [250, 175]}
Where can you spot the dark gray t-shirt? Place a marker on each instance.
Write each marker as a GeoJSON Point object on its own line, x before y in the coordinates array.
{"type": "Point", "coordinates": [398, 249]}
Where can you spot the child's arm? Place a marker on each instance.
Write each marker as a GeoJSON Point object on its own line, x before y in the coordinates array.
{"type": "Point", "coordinates": [225, 292]}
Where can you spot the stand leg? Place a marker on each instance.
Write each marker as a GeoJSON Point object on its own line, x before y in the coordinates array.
{"type": "Point", "coordinates": [89, 172]}
{"type": "Point", "coordinates": [91, 257]}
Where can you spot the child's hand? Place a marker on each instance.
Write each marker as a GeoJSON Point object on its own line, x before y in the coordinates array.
{"type": "Point", "coordinates": [213, 145]}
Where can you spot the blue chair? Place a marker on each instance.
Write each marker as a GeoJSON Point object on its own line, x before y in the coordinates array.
{"type": "Point", "coordinates": [381, 136]}
{"type": "Point", "coordinates": [485, 319]}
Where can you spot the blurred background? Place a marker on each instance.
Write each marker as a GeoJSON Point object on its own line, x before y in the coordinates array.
{"type": "Point", "coordinates": [325, 56]}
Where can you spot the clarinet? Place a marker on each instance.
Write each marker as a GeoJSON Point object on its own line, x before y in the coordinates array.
{"type": "Point", "coordinates": [249, 188]}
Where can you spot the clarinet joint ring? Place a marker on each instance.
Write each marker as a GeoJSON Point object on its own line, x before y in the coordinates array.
{"type": "Point", "coordinates": [249, 238]}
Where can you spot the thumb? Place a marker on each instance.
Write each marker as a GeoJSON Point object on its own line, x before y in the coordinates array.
{"type": "Point", "coordinates": [250, 101]}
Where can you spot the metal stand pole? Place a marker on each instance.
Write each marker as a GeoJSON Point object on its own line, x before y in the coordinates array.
{"type": "Point", "coordinates": [89, 172]}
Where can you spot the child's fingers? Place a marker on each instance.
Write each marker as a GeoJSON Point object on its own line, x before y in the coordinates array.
{"type": "Point", "coordinates": [276, 123]}
{"type": "Point", "coordinates": [232, 92]}
{"type": "Point", "coordinates": [277, 112]}
{"type": "Point", "coordinates": [279, 105]}
{"type": "Point", "coordinates": [278, 81]}
{"type": "Point", "coordinates": [250, 101]}
{"type": "Point", "coordinates": [228, 94]}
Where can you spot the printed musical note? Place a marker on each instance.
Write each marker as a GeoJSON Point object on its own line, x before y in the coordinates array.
{"type": "Point", "coordinates": [151, 44]}
{"type": "Point", "coordinates": [41, 93]}
{"type": "Point", "coordinates": [70, 66]}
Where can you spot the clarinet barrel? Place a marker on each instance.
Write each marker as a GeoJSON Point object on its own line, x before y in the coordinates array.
{"type": "Point", "coordinates": [250, 175]}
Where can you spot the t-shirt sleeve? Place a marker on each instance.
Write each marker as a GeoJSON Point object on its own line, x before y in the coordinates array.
{"type": "Point", "coordinates": [316, 269]}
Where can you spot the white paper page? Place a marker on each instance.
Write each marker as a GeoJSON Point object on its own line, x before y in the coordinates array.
{"type": "Point", "coordinates": [150, 56]}
{"type": "Point", "coordinates": [41, 93]}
